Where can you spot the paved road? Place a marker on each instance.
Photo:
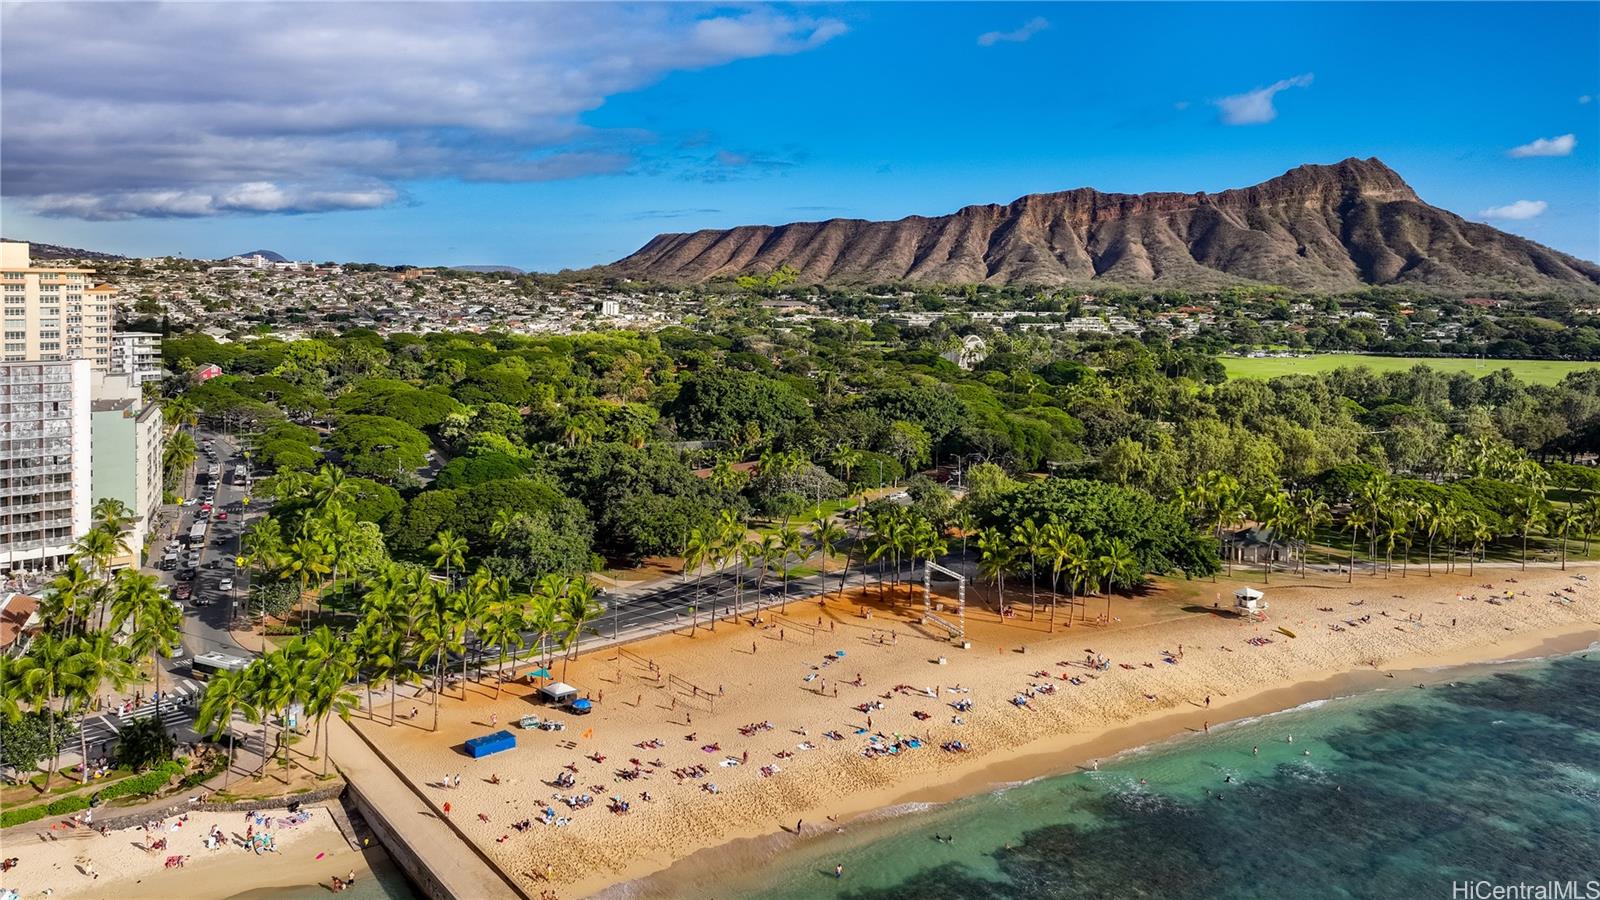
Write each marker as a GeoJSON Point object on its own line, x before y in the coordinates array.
{"type": "Point", "coordinates": [209, 610]}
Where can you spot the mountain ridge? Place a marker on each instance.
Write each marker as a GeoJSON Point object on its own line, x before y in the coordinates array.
{"type": "Point", "coordinates": [1348, 225]}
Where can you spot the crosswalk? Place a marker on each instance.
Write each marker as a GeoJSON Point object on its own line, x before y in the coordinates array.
{"type": "Point", "coordinates": [177, 711]}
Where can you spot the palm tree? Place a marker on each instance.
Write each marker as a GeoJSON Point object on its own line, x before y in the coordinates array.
{"type": "Point", "coordinates": [579, 609]}
{"type": "Point", "coordinates": [376, 646]}
{"type": "Point", "coordinates": [1275, 514]}
{"type": "Point", "coordinates": [1560, 521]}
{"type": "Point", "coordinates": [1450, 519]}
{"type": "Point", "coordinates": [111, 513]}
{"type": "Point", "coordinates": [46, 673]}
{"type": "Point", "coordinates": [1064, 550]}
{"type": "Point", "coordinates": [134, 595]}
{"type": "Point", "coordinates": [438, 633]}
{"type": "Point", "coordinates": [334, 529]}
{"type": "Point", "coordinates": [305, 559]}
{"type": "Point", "coordinates": [502, 629]}
{"type": "Point", "coordinates": [331, 666]}
{"type": "Point", "coordinates": [542, 613]}
{"type": "Point", "coordinates": [1117, 564]}
{"type": "Point", "coordinates": [1030, 540]}
{"type": "Point", "coordinates": [701, 549]}
{"type": "Point", "coordinates": [791, 543]}
{"type": "Point", "coordinates": [449, 553]}
{"type": "Point", "coordinates": [328, 486]}
{"type": "Point", "coordinates": [1589, 521]}
{"type": "Point", "coordinates": [156, 635]}
{"type": "Point", "coordinates": [64, 608]}
{"type": "Point", "coordinates": [227, 695]}
{"type": "Point", "coordinates": [99, 547]}
{"type": "Point", "coordinates": [1528, 514]}
{"type": "Point", "coordinates": [826, 536]}
{"type": "Point", "coordinates": [473, 606]}
{"type": "Point", "coordinates": [11, 694]}
{"type": "Point", "coordinates": [1372, 496]}
{"type": "Point", "coordinates": [765, 552]}
{"type": "Point", "coordinates": [845, 459]}
{"type": "Point", "coordinates": [1477, 531]}
{"type": "Point", "coordinates": [1429, 518]}
{"type": "Point", "coordinates": [98, 659]}
{"type": "Point", "coordinates": [177, 412]}
{"type": "Point", "coordinates": [270, 689]}
{"type": "Point", "coordinates": [1311, 513]}
{"type": "Point", "coordinates": [996, 554]}
{"type": "Point", "coordinates": [926, 543]}
{"type": "Point", "coordinates": [179, 454]}
{"type": "Point", "coordinates": [1355, 520]}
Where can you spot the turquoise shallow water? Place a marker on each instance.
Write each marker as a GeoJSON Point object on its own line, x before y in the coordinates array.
{"type": "Point", "coordinates": [1394, 794]}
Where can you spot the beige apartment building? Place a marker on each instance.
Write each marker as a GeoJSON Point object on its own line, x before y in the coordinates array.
{"type": "Point", "coordinates": [53, 313]}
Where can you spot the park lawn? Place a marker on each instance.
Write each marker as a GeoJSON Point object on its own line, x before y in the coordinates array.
{"type": "Point", "coordinates": [1531, 371]}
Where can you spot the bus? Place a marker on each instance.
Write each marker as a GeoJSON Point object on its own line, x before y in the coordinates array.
{"type": "Point", "coordinates": [241, 476]}
{"type": "Point", "coordinates": [197, 533]}
{"type": "Point", "coordinates": [204, 665]}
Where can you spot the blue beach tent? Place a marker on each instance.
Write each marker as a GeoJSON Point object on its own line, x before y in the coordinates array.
{"type": "Point", "coordinates": [479, 747]}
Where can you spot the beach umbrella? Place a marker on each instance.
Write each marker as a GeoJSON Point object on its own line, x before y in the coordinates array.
{"type": "Point", "coordinates": [839, 653]}
{"type": "Point", "coordinates": [540, 672]}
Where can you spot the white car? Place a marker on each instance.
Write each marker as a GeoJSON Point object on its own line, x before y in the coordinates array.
{"type": "Point", "coordinates": [225, 584]}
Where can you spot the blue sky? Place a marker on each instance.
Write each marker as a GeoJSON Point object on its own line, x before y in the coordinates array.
{"type": "Point", "coordinates": [551, 136]}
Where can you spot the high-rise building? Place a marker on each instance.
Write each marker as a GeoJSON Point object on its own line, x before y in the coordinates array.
{"type": "Point", "coordinates": [137, 354]}
{"type": "Point", "coordinates": [126, 444]}
{"type": "Point", "coordinates": [53, 313]}
{"type": "Point", "coordinates": [44, 461]}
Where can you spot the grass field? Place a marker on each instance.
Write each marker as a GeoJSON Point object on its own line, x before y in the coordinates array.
{"type": "Point", "coordinates": [1532, 371]}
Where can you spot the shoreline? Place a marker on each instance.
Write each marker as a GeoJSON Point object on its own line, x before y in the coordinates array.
{"type": "Point", "coordinates": [670, 765]}
{"type": "Point", "coordinates": [1065, 754]}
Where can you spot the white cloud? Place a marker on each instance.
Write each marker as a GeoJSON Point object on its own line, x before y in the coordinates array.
{"type": "Point", "coordinates": [210, 108]}
{"type": "Point", "coordinates": [1016, 36]}
{"type": "Point", "coordinates": [1556, 146]}
{"type": "Point", "coordinates": [1255, 107]}
{"type": "Point", "coordinates": [1585, 98]}
{"type": "Point", "coordinates": [1521, 209]}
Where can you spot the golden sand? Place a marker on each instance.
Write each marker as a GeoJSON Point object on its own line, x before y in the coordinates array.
{"type": "Point", "coordinates": [759, 675]}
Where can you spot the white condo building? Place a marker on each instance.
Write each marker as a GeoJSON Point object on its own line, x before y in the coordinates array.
{"type": "Point", "coordinates": [44, 461]}
{"type": "Point", "coordinates": [137, 354]}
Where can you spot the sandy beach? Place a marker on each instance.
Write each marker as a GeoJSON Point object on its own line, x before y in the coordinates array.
{"type": "Point", "coordinates": [308, 852]}
{"type": "Point", "coordinates": [1171, 663]}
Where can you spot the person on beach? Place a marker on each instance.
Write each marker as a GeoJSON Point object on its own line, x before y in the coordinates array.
{"type": "Point", "coordinates": [838, 870]}
{"type": "Point", "coordinates": [494, 720]}
{"type": "Point", "coordinates": [446, 809]}
{"type": "Point", "coordinates": [1208, 701]}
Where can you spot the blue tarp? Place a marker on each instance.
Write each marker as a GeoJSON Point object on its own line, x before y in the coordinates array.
{"type": "Point", "coordinates": [479, 747]}
{"type": "Point", "coordinates": [581, 706]}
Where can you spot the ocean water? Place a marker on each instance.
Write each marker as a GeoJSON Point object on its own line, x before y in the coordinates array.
{"type": "Point", "coordinates": [386, 882]}
{"type": "Point", "coordinates": [1393, 794]}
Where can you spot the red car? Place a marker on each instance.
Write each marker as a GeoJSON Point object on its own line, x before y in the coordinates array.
{"type": "Point", "coordinates": [205, 507]}
{"type": "Point", "coordinates": [222, 517]}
